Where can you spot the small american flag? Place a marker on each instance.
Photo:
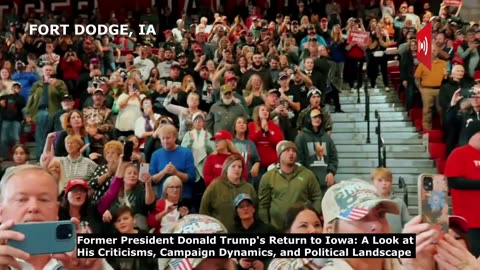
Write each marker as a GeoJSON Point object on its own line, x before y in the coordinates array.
{"type": "Point", "coordinates": [356, 213]}
{"type": "Point", "coordinates": [181, 264]}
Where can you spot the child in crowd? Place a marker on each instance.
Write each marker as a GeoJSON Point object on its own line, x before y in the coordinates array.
{"type": "Point", "coordinates": [382, 179]}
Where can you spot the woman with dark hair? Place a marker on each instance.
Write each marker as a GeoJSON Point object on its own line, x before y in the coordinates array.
{"type": "Point", "coordinates": [75, 203]}
{"type": "Point", "coordinates": [302, 219]}
{"type": "Point", "coordinates": [247, 149]}
{"type": "Point", "coordinates": [20, 157]}
{"type": "Point", "coordinates": [216, 201]}
{"type": "Point", "coordinates": [144, 124]}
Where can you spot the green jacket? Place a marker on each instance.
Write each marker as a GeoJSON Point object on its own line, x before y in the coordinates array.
{"type": "Point", "coordinates": [217, 201]}
{"type": "Point", "coordinates": [307, 143]}
{"type": "Point", "coordinates": [55, 96]}
{"type": "Point", "coordinates": [278, 192]}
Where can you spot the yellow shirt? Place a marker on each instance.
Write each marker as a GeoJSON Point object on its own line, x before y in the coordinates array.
{"type": "Point", "coordinates": [431, 78]}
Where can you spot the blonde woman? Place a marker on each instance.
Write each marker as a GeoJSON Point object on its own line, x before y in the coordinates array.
{"type": "Point", "coordinates": [55, 169]}
{"type": "Point", "coordinates": [6, 82]}
{"type": "Point", "coordinates": [337, 56]}
{"type": "Point", "coordinates": [184, 114]}
{"type": "Point", "coordinates": [168, 209]}
{"type": "Point", "coordinates": [101, 179]}
{"type": "Point", "coordinates": [74, 164]}
{"type": "Point", "coordinates": [224, 148]}
{"type": "Point", "coordinates": [254, 93]}
{"type": "Point", "coordinates": [129, 104]}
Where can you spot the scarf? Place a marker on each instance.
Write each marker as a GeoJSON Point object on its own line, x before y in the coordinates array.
{"type": "Point", "coordinates": [148, 126]}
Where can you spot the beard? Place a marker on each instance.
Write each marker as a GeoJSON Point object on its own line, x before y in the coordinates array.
{"type": "Point", "coordinates": [227, 101]}
{"type": "Point", "coordinates": [255, 66]}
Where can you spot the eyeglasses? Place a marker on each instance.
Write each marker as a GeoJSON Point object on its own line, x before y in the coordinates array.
{"type": "Point", "coordinates": [174, 187]}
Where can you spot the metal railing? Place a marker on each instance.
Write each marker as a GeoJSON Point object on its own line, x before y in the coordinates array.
{"type": "Point", "coordinates": [367, 108]}
{"type": "Point", "coordinates": [403, 185]}
{"type": "Point", "coordinates": [382, 150]}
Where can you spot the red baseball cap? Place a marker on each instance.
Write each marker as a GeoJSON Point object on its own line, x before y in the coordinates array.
{"type": "Point", "coordinates": [222, 135]}
{"type": "Point", "coordinates": [230, 77]}
{"type": "Point", "coordinates": [324, 20]}
{"type": "Point", "coordinates": [476, 75]}
{"type": "Point", "coordinates": [76, 183]}
{"type": "Point", "coordinates": [457, 60]}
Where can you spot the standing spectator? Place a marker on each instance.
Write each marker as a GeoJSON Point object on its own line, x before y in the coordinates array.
{"type": "Point", "coordinates": [25, 78]}
{"type": "Point", "coordinates": [408, 64]}
{"type": "Point", "coordinates": [11, 107]}
{"type": "Point", "coordinates": [429, 83]}
{"type": "Point", "coordinates": [172, 159]}
{"type": "Point", "coordinates": [101, 178]}
{"type": "Point", "coordinates": [286, 184]}
{"type": "Point", "coordinates": [129, 104]}
{"type": "Point", "coordinates": [74, 165]}
{"type": "Point", "coordinates": [462, 170]}
{"type": "Point", "coordinates": [376, 57]}
{"type": "Point", "coordinates": [224, 189]}
{"type": "Point", "coordinates": [144, 125]}
{"type": "Point", "coordinates": [43, 102]}
{"type": "Point", "coordinates": [469, 52]}
{"type": "Point", "coordinates": [143, 64]}
{"type": "Point", "coordinates": [224, 112]}
{"type": "Point", "coordinates": [55, 124]}
{"type": "Point", "coordinates": [316, 150]}
{"type": "Point", "coordinates": [6, 82]}
{"type": "Point", "coordinates": [248, 150]}
{"type": "Point", "coordinates": [266, 134]}
{"type": "Point", "coordinates": [71, 67]}
{"type": "Point", "coordinates": [224, 148]}
{"type": "Point", "coordinates": [131, 190]}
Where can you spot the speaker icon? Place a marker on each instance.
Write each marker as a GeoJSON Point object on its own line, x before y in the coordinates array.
{"type": "Point", "coordinates": [423, 46]}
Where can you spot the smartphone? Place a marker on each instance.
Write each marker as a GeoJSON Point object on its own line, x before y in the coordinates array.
{"type": "Point", "coordinates": [45, 237]}
{"type": "Point", "coordinates": [127, 151]}
{"type": "Point", "coordinates": [433, 201]}
{"type": "Point", "coordinates": [144, 168]}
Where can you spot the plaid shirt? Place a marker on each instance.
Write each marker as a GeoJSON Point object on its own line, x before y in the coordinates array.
{"type": "Point", "coordinates": [81, 167]}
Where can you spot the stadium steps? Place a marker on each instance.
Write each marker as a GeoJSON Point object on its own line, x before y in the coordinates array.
{"type": "Point", "coordinates": [407, 152]}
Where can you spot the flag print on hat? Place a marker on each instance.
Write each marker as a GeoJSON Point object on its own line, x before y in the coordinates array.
{"type": "Point", "coordinates": [352, 200]}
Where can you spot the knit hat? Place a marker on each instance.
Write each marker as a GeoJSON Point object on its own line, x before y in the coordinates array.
{"type": "Point", "coordinates": [352, 200]}
{"type": "Point", "coordinates": [283, 146]}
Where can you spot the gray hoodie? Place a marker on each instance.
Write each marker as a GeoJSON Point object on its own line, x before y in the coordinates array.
{"type": "Point", "coordinates": [309, 147]}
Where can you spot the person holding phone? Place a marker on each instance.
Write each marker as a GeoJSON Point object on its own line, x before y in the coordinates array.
{"type": "Point", "coordinates": [41, 205]}
{"type": "Point", "coordinates": [168, 209]}
{"type": "Point", "coordinates": [129, 104]}
{"type": "Point", "coordinates": [128, 188]}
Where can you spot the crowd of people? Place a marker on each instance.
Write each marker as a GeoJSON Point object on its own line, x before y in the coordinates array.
{"type": "Point", "coordinates": [231, 125]}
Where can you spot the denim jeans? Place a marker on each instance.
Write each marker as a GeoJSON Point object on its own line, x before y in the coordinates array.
{"type": "Point", "coordinates": [41, 125]}
{"type": "Point", "coordinates": [10, 134]}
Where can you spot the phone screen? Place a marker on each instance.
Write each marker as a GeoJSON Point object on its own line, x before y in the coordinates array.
{"type": "Point", "coordinates": [127, 151]}
{"type": "Point", "coordinates": [433, 201]}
